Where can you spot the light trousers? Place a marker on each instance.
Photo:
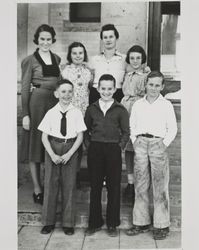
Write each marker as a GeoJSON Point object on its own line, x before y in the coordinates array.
{"type": "Point", "coordinates": [156, 174]}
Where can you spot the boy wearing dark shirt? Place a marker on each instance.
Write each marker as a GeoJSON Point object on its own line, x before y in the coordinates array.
{"type": "Point", "coordinates": [107, 122]}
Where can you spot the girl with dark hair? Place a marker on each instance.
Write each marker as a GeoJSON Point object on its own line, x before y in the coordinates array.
{"type": "Point", "coordinates": [79, 74]}
{"type": "Point", "coordinates": [40, 73]}
{"type": "Point", "coordinates": [133, 89]}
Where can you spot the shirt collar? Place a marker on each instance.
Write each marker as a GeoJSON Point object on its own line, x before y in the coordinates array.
{"type": "Point", "coordinates": [70, 106]}
{"type": "Point", "coordinates": [160, 98]}
{"type": "Point", "coordinates": [108, 103]}
{"type": "Point", "coordinates": [138, 72]}
{"type": "Point", "coordinates": [117, 53]}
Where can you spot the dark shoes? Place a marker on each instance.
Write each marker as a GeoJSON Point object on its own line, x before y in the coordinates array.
{"type": "Point", "coordinates": [135, 230]}
{"type": "Point", "coordinates": [160, 233]}
{"type": "Point", "coordinates": [112, 231]}
{"type": "Point", "coordinates": [68, 230]}
{"type": "Point", "coordinates": [38, 198]}
{"type": "Point", "coordinates": [90, 231]}
{"type": "Point", "coordinates": [47, 229]}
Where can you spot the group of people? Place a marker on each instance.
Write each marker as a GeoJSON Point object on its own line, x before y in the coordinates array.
{"type": "Point", "coordinates": [110, 103]}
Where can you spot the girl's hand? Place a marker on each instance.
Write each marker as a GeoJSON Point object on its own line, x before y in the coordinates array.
{"type": "Point", "coordinates": [147, 69]}
{"type": "Point", "coordinates": [66, 157]}
{"type": "Point", "coordinates": [26, 122]}
{"type": "Point", "coordinates": [56, 159]}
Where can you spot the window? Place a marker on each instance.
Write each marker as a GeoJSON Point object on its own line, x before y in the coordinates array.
{"type": "Point", "coordinates": [170, 39]}
{"type": "Point", "coordinates": [164, 43]}
{"type": "Point", "coordinates": [85, 12]}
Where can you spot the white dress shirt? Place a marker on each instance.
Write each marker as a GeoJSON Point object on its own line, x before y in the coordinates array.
{"type": "Point", "coordinates": [51, 122]}
{"type": "Point", "coordinates": [157, 118]}
{"type": "Point", "coordinates": [114, 66]}
{"type": "Point", "coordinates": [104, 106]}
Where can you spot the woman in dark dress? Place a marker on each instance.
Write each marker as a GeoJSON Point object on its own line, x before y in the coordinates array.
{"type": "Point", "coordinates": [40, 72]}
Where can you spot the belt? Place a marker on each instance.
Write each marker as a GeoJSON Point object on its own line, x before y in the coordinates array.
{"type": "Point", "coordinates": [39, 86]}
{"type": "Point", "coordinates": [61, 140]}
{"type": "Point", "coordinates": [149, 135]}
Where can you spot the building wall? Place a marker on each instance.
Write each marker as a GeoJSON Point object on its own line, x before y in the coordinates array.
{"type": "Point", "coordinates": [129, 18]}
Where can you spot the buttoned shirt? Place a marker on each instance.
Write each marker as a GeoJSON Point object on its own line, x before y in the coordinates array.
{"type": "Point", "coordinates": [51, 122]}
{"type": "Point", "coordinates": [157, 118]}
{"type": "Point", "coordinates": [114, 66]}
{"type": "Point", "coordinates": [104, 106]}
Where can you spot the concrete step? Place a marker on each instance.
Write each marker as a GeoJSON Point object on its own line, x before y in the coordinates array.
{"type": "Point", "coordinates": [29, 213]}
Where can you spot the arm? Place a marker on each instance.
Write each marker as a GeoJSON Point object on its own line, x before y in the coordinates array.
{"type": "Point", "coordinates": [55, 158]}
{"type": "Point", "coordinates": [140, 86]}
{"type": "Point", "coordinates": [124, 125]}
{"type": "Point", "coordinates": [88, 122]}
{"type": "Point", "coordinates": [66, 157]}
{"type": "Point", "coordinates": [125, 89]}
{"type": "Point", "coordinates": [171, 125]}
{"type": "Point", "coordinates": [133, 119]}
{"type": "Point", "coordinates": [26, 79]}
{"type": "Point", "coordinates": [90, 84]}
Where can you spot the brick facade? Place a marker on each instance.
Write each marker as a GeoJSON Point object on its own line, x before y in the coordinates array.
{"type": "Point", "coordinates": [129, 18]}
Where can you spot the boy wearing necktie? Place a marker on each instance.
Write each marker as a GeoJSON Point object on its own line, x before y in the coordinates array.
{"type": "Point", "coordinates": [62, 128]}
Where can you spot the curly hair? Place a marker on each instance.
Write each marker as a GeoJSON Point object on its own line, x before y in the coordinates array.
{"type": "Point", "coordinates": [109, 27]}
{"type": "Point", "coordinates": [47, 28]}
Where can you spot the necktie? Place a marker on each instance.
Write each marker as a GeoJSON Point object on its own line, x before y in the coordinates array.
{"type": "Point", "coordinates": [63, 124]}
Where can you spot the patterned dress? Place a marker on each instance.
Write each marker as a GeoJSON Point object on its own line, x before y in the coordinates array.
{"type": "Point", "coordinates": [133, 89]}
{"type": "Point", "coordinates": [80, 76]}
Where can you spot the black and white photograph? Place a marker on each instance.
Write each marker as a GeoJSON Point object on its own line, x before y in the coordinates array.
{"type": "Point", "coordinates": [91, 164]}
{"type": "Point", "coordinates": [99, 151]}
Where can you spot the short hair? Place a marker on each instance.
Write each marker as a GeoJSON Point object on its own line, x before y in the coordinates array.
{"type": "Point", "coordinates": [107, 77]}
{"type": "Point", "coordinates": [47, 28]}
{"type": "Point", "coordinates": [63, 81]}
{"type": "Point", "coordinates": [109, 27]}
{"type": "Point", "coordinates": [75, 45]}
{"type": "Point", "coordinates": [138, 49]}
{"type": "Point", "coordinates": [154, 74]}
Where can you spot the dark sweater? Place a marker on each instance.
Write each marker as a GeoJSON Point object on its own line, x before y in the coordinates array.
{"type": "Point", "coordinates": [111, 128]}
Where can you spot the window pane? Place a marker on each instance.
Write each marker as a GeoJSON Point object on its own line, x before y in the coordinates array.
{"type": "Point", "coordinates": [170, 42]}
{"type": "Point", "coordinates": [85, 12]}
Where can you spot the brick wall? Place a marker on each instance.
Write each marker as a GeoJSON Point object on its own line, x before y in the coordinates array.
{"type": "Point", "coordinates": [129, 18]}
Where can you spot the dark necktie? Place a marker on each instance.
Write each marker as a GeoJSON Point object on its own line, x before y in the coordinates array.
{"type": "Point", "coordinates": [63, 124]}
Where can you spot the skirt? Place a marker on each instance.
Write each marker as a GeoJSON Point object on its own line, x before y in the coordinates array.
{"type": "Point", "coordinates": [41, 101]}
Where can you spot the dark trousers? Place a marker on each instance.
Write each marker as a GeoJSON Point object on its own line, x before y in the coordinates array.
{"type": "Point", "coordinates": [63, 176]}
{"type": "Point", "coordinates": [104, 160]}
{"type": "Point", "coordinates": [94, 95]}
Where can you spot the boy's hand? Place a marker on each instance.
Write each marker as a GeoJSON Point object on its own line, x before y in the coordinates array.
{"type": "Point", "coordinates": [66, 157]}
{"type": "Point", "coordinates": [56, 159]}
{"type": "Point", "coordinates": [26, 122]}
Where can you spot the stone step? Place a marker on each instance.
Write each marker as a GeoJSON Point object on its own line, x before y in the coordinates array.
{"type": "Point", "coordinates": [30, 213]}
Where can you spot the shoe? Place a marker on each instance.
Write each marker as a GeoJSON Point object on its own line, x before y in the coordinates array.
{"type": "Point", "coordinates": [38, 198]}
{"type": "Point", "coordinates": [47, 229]}
{"type": "Point", "coordinates": [112, 231]}
{"type": "Point", "coordinates": [135, 230]}
{"type": "Point", "coordinates": [90, 231]}
{"type": "Point", "coordinates": [68, 230]}
{"type": "Point", "coordinates": [160, 233]}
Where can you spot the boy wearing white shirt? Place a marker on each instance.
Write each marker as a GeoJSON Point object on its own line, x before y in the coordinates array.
{"type": "Point", "coordinates": [62, 128]}
{"type": "Point", "coordinates": [153, 127]}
